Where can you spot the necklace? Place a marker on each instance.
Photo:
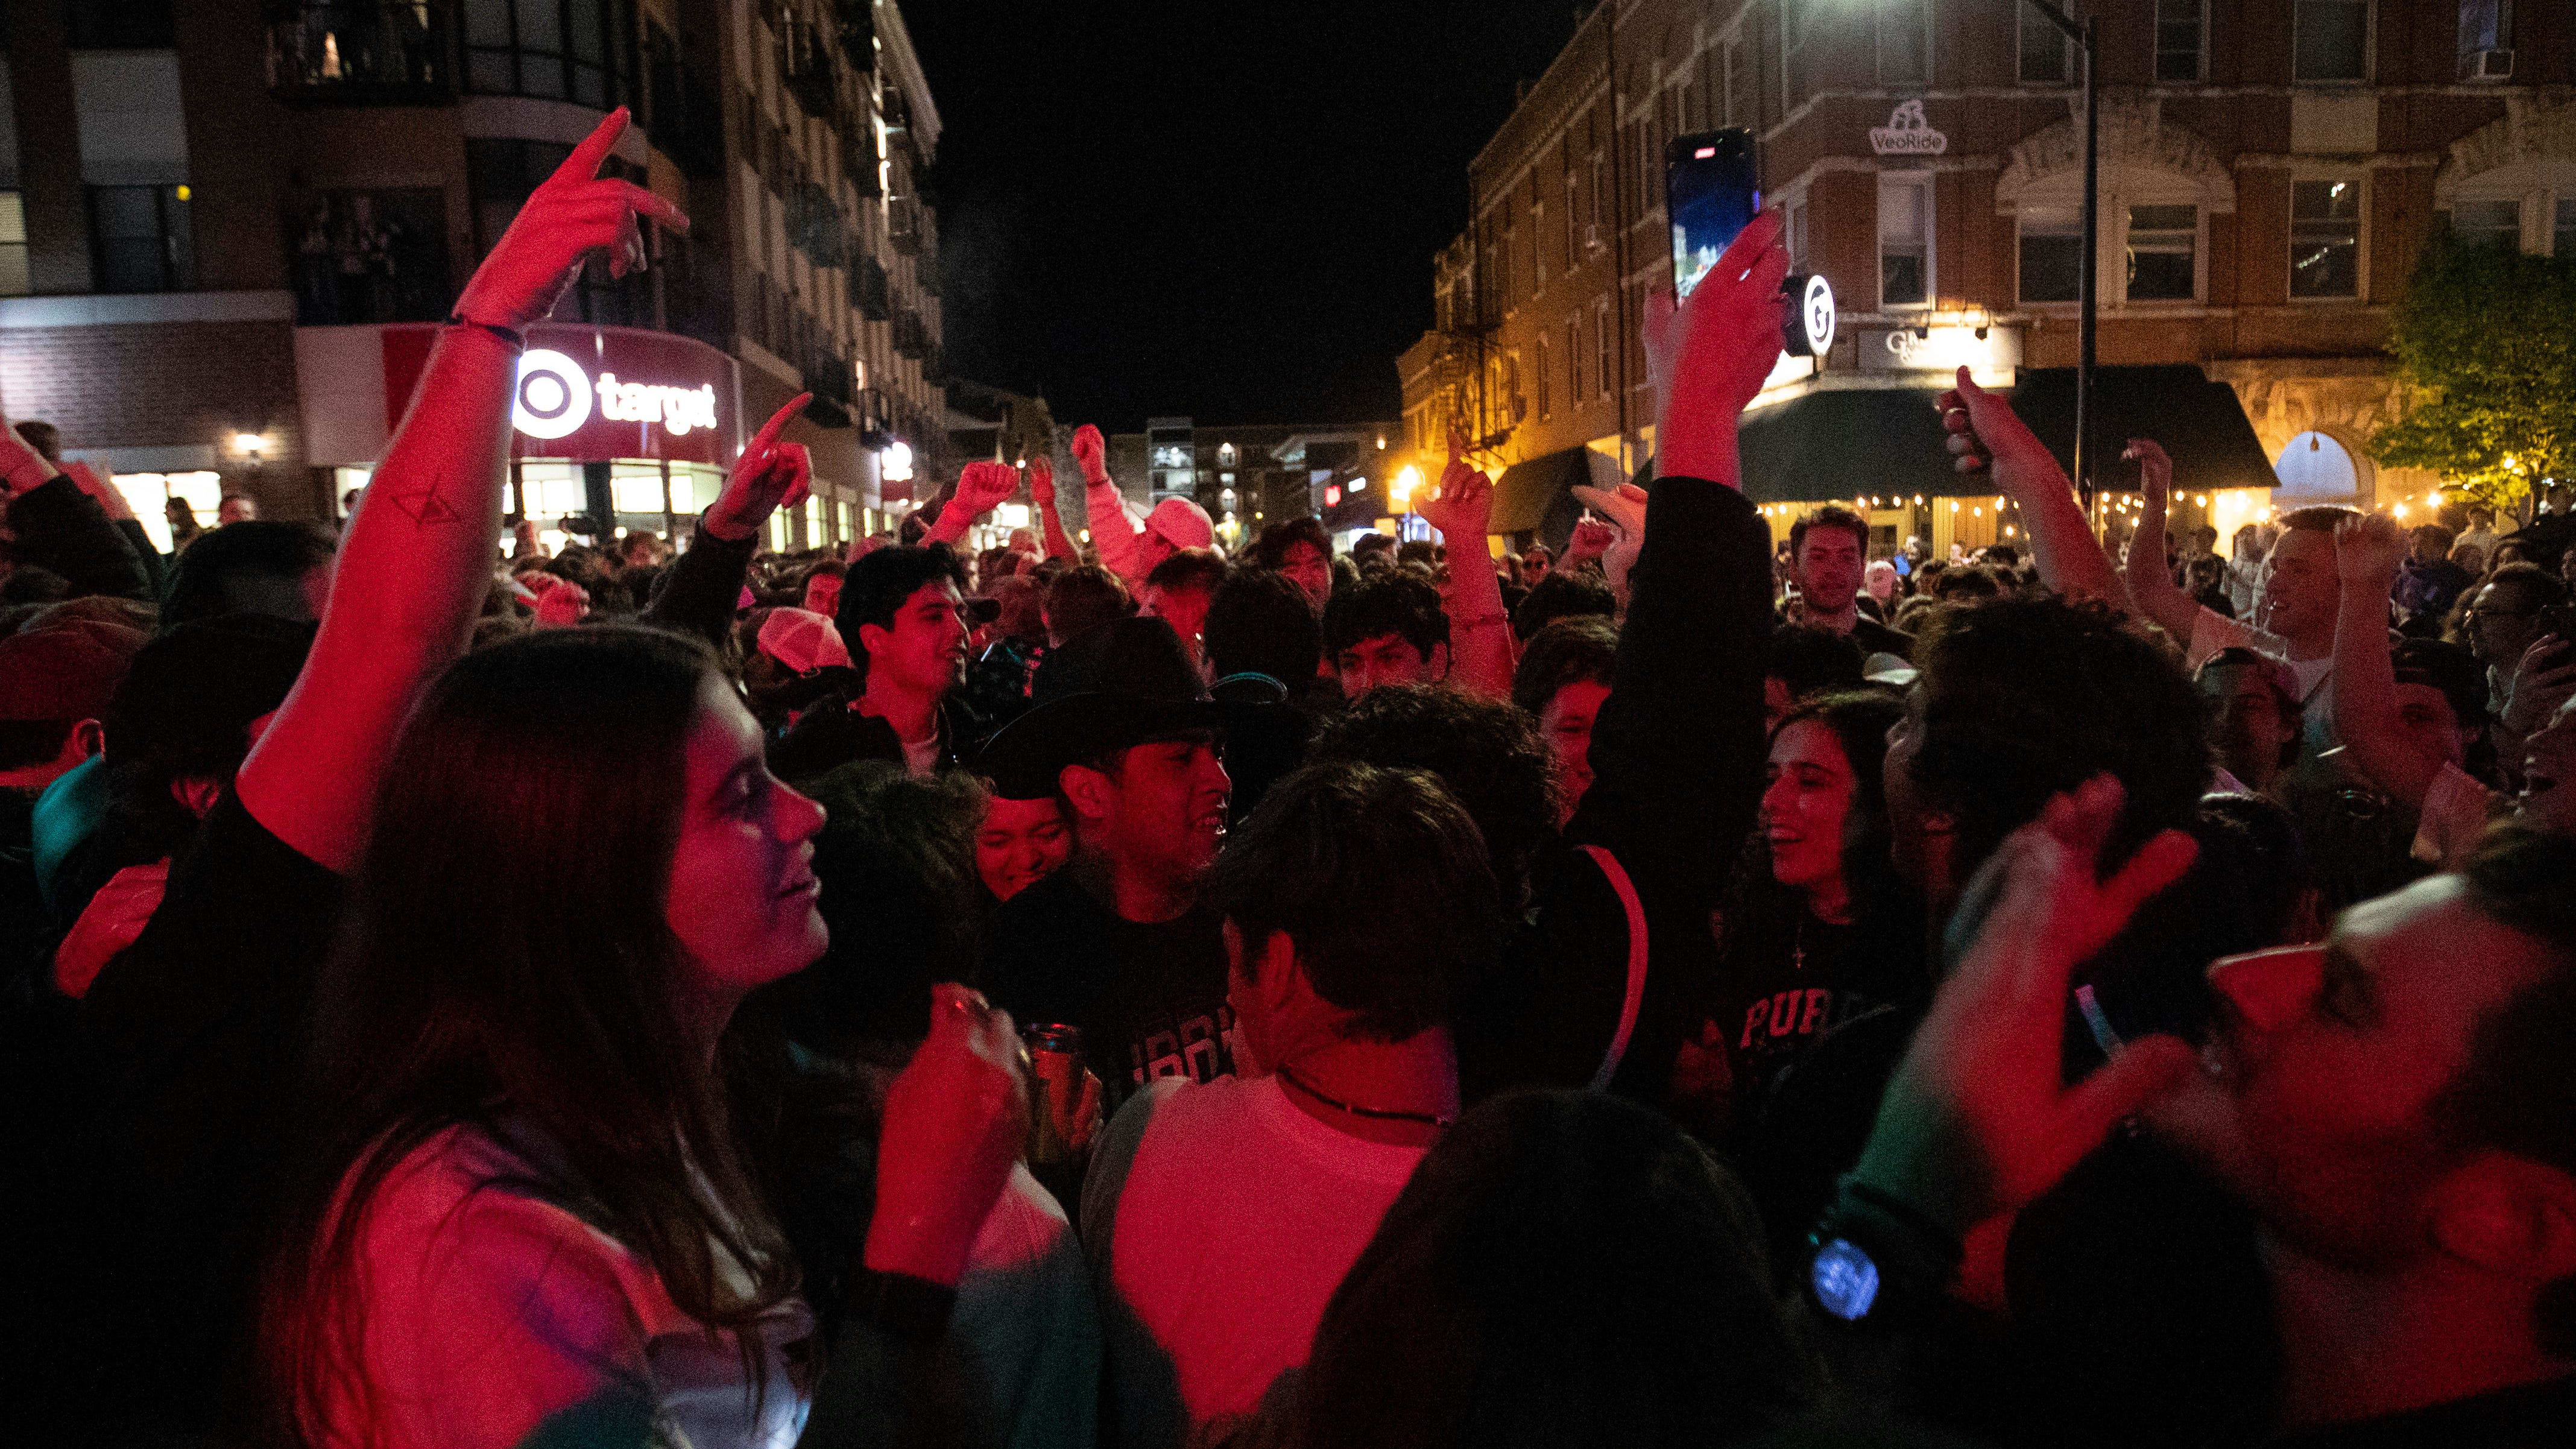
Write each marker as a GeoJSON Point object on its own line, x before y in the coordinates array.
{"type": "Point", "coordinates": [1798, 956]}
{"type": "Point", "coordinates": [1301, 1084]}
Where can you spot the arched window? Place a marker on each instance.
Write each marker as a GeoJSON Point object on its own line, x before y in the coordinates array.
{"type": "Point", "coordinates": [2315, 468]}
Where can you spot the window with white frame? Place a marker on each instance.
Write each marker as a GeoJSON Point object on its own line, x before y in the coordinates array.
{"type": "Point", "coordinates": [2182, 29]}
{"type": "Point", "coordinates": [1504, 292]}
{"type": "Point", "coordinates": [2325, 238]}
{"type": "Point", "coordinates": [1904, 42]}
{"type": "Point", "coordinates": [1796, 17]}
{"type": "Point", "coordinates": [1573, 240]}
{"type": "Point", "coordinates": [1601, 364]}
{"type": "Point", "coordinates": [1544, 376]}
{"type": "Point", "coordinates": [1574, 359]}
{"type": "Point", "coordinates": [2484, 25]}
{"type": "Point", "coordinates": [1797, 212]}
{"type": "Point", "coordinates": [2492, 223]}
{"type": "Point", "coordinates": [2330, 40]}
{"type": "Point", "coordinates": [1538, 240]}
{"type": "Point", "coordinates": [2052, 255]}
{"type": "Point", "coordinates": [2163, 253]}
{"type": "Point", "coordinates": [2047, 56]}
{"type": "Point", "coordinates": [1601, 198]}
{"type": "Point", "coordinates": [1904, 241]}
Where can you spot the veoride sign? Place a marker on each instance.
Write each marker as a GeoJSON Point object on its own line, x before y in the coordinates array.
{"type": "Point", "coordinates": [601, 393]}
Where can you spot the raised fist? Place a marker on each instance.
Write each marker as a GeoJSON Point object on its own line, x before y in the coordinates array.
{"type": "Point", "coordinates": [1091, 454]}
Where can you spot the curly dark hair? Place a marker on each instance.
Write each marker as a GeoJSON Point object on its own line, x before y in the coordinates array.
{"type": "Point", "coordinates": [2023, 698]}
{"type": "Point", "coordinates": [1562, 596]}
{"type": "Point", "coordinates": [1813, 661]}
{"type": "Point", "coordinates": [1270, 550]}
{"type": "Point", "coordinates": [1584, 646]}
{"type": "Point", "coordinates": [1380, 881]}
{"type": "Point", "coordinates": [874, 588]}
{"type": "Point", "coordinates": [1084, 598]}
{"type": "Point", "coordinates": [1261, 622]}
{"type": "Point", "coordinates": [1488, 752]}
{"type": "Point", "coordinates": [1394, 602]}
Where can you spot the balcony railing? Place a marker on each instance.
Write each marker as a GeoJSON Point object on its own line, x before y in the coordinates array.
{"type": "Point", "coordinates": [805, 65]}
{"type": "Point", "coordinates": [390, 54]}
{"type": "Point", "coordinates": [856, 24]}
{"type": "Point", "coordinates": [903, 225]}
{"type": "Point", "coordinates": [871, 290]}
{"type": "Point", "coordinates": [815, 225]}
{"type": "Point", "coordinates": [859, 161]}
{"type": "Point", "coordinates": [827, 376]}
{"type": "Point", "coordinates": [910, 337]}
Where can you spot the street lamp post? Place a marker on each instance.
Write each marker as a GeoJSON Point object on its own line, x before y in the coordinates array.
{"type": "Point", "coordinates": [2086, 37]}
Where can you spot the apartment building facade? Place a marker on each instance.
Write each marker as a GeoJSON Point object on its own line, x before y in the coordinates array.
{"type": "Point", "coordinates": [228, 229]}
{"type": "Point", "coordinates": [2270, 172]}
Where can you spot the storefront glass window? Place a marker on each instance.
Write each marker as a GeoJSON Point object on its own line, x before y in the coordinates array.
{"type": "Point", "coordinates": [552, 490]}
{"type": "Point", "coordinates": [13, 244]}
{"type": "Point", "coordinates": [635, 487]}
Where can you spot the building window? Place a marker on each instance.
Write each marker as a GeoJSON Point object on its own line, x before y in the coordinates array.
{"type": "Point", "coordinates": [1574, 360]}
{"type": "Point", "coordinates": [1798, 237]}
{"type": "Point", "coordinates": [2331, 40]}
{"type": "Point", "coordinates": [2052, 256]}
{"type": "Point", "coordinates": [2163, 248]}
{"type": "Point", "coordinates": [1573, 242]}
{"type": "Point", "coordinates": [1503, 288]}
{"type": "Point", "coordinates": [2494, 223]}
{"type": "Point", "coordinates": [13, 244]}
{"type": "Point", "coordinates": [1600, 199]}
{"type": "Point", "coordinates": [2047, 56]}
{"type": "Point", "coordinates": [1738, 60]}
{"type": "Point", "coordinates": [2325, 238]}
{"type": "Point", "coordinates": [2565, 231]}
{"type": "Point", "coordinates": [571, 50]}
{"type": "Point", "coordinates": [1538, 244]}
{"type": "Point", "coordinates": [1796, 17]}
{"type": "Point", "coordinates": [139, 239]}
{"type": "Point", "coordinates": [2180, 26]}
{"type": "Point", "coordinates": [1904, 241]}
{"type": "Point", "coordinates": [1601, 364]}
{"type": "Point", "coordinates": [2484, 25]}
{"type": "Point", "coordinates": [499, 175]}
{"type": "Point", "coordinates": [1543, 399]}
{"type": "Point", "coordinates": [1904, 42]}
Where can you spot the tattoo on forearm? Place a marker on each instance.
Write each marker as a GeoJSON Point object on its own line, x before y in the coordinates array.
{"type": "Point", "coordinates": [424, 506]}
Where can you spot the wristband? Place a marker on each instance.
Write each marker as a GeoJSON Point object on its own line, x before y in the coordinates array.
{"type": "Point", "coordinates": [517, 342]}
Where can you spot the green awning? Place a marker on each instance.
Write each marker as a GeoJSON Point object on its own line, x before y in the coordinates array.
{"type": "Point", "coordinates": [2199, 422]}
{"type": "Point", "coordinates": [1531, 496]}
{"type": "Point", "coordinates": [1850, 443]}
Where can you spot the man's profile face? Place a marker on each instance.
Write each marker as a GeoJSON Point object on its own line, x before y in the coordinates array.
{"type": "Point", "coordinates": [1386, 659]}
{"type": "Point", "coordinates": [823, 594]}
{"type": "Point", "coordinates": [1829, 566]}
{"type": "Point", "coordinates": [2300, 585]}
{"type": "Point", "coordinates": [1185, 610]}
{"type": "Point", "coordinates": [924, 652]}
{"type": "Point", "coordinates": [2314, 1094]}
{"type": "Point", "coordinates": [1165, 807]}
{"type": "Point", "coordinates": [2501, 625]}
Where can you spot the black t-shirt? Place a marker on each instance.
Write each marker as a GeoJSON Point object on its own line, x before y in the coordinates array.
{"type": "Point", "coordinates": [198, 1031]}
{"type": "Point", "coordinates": [1776, 1000]}
{"type": "Point", "coordinates": [1149, 997]}
{"type": "Point", "coordinates": [1877, 638]}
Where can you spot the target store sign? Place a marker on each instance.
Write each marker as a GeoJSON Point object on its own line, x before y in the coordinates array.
{"type": "Point", "coordinates": [601, 393]}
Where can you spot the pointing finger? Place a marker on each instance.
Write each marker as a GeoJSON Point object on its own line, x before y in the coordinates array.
{"type": "Point", "coordinates": [778, 421]}
{"type": "Point", "coordinates": [584, 162]}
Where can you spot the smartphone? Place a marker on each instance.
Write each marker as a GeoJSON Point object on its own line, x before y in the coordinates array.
{"type": "Point", "coordinates": [1710, 193]}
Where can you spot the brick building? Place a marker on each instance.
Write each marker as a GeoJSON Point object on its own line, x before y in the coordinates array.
{"type": "Point", "coordinates": [225, 227]}
{"type": "Point", "coordinates": [2270, 171]}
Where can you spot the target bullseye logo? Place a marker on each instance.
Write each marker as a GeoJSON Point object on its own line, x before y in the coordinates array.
{"type": "Point", "coordinates": [553, 397]}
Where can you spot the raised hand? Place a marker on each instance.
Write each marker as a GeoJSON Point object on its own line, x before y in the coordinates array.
{"type": "Point", "coordinates": [1091, 454]}
{"type": "Point", "coordinates": [2368, 551]}
{"type": "Point", "coordinates": [561, 604]}
{"type": "Point", "coordinates": [2543, 679]}
{"type": "Point", "coordinates": [1465, 501]}
{"type": "Point", "coordinates": [570, 214]}
{"type": "Point", "coordinates": [1041, 483]}
{"type": "Point", "coordinates": [1728, 334]}
{"type": "Point", "coordinates": [1590, 540]}
{"type": "Point", "coordinates": [1625, 507]}
{"type": "Point", "coordinates": [2155, 470]}
{"type": "Point", "coordinates": [954, 1122]}
{"type": "Point", "coordinates": [769, 475]}
{"type": "Point", "coordinates": [983, 487]}
{"type": "Point", "coordinates": [22, 468]}
{"type": "Point", "coordinates": [1985, 430]}
{"type": "Point", "coordinates": [1977, 1122]}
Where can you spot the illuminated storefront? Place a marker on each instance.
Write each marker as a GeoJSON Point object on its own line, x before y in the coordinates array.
{"type": "Point", "coordinates": [628, 425]}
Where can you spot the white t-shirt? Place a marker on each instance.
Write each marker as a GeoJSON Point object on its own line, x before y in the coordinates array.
{"type": "Point", "coordinates": [1215, 1249]}
{"type": "Point", "coordinates": [2212, 631]}
{"type": "Point", "coordinates": [489, 1309]}
{"type": "Point", "coordinates": [2456, 809]}
{"type": "Point", "coordinates": [921, 758]}
{"type": "Point", "coordinates": [1025, 1320]}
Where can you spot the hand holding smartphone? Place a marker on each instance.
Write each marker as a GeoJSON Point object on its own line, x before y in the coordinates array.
{"type": "Point", "coordinates": [1712, 191]}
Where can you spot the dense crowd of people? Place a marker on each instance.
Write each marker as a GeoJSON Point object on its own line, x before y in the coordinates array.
{"type": "Point", "coordinates": [1665, 991]}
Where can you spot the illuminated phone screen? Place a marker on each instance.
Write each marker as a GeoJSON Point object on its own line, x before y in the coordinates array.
{"type": "Point", "coordinates": [1711, 194]}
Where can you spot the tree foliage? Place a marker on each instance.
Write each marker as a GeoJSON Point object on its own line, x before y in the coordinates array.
{"type": "Point", "coordinates": [2485, 340]}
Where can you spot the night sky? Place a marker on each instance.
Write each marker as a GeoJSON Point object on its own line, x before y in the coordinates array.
{"type": "Point", "coordinates": [1222, 208]}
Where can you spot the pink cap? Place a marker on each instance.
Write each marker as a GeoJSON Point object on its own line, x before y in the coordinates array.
{"type": "Point", "coordinates": [802, 640]}
{"type": "Point", "coordinates": [1181, 523]}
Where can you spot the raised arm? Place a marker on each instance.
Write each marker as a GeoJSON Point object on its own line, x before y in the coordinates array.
{"type": "Point", "coordinates": [1985, 433]}
{"type": "Point", "coordinates": [1481, 655]}
{"type": "Point", "coordinates": [980, 489]}
{"type": "Point", "coordinates": [2368, 550]}
{"type": "Point", "coordinates": [418, 559]}
{"type": "Point", "coordinates": [1059, 544]}
{"type": "Point", "coordinates": [703, 585]}
{"type": "Point", "coordinates": [1112, 531]}
{"type": "Point", "coordinates": [1625, 507]}
{"type": "Point", "coordinates": [2151, 586]}
{"type": "Point", "coordinates": [67, 523]}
